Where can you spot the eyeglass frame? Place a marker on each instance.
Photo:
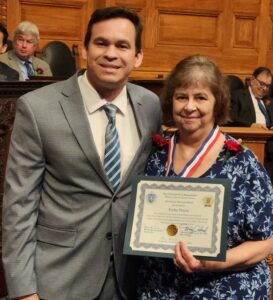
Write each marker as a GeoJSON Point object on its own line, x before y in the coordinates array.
{"type": "Point", "coordinates": [262, 84]}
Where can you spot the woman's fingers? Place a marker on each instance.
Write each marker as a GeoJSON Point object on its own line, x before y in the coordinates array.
{"type": "Point", "coordinates": [184, 259]}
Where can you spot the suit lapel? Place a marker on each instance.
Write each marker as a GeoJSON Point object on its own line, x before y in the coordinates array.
{"type": "Point", "coordinates": [251, 106]}
{"type": "Point", "coordinates": [141, 121]}
{"type": "Point", "coordinates": [35, 64]}
{"type": "Point", "coordinates": [14, 64]}
{"type": "Point", "coordinates": [74, 111]}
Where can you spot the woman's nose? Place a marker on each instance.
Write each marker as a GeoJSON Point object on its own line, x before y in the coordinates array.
{"type": "Point", "coordinates": [190, 106]}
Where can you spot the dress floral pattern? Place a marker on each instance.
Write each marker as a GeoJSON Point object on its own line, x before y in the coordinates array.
{"type": "Point", "coordinates": [250, 218]}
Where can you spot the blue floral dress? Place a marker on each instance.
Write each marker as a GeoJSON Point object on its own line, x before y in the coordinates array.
{"type": "Point", "coordinates": [250, 218]}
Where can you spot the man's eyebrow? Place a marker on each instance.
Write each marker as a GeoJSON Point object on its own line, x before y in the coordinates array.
{"type": "Point", "coordinates": [100, 38]}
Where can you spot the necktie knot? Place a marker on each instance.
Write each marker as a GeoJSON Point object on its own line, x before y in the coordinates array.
{"type": "Point", "coordinates": [110, 111]}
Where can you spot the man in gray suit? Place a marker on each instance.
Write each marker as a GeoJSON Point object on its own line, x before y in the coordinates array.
{"type": "Point", "coordinates": [63, 220]}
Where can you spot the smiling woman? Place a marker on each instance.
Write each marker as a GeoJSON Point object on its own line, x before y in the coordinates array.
{"type": "Point", "coordinates": [196, 95]}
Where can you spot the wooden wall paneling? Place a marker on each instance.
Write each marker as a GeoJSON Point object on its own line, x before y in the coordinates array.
{"type": "Point", "coordinates": [14, 17]}
{"type": "Point", "coordinates": [269, 29]}
{"type": "Point", "coordinates": [150, 31]}
{"type": "Point", "coordinates": [131, 3]}
{"type": "Point", "coordinates": [264, 37]}
{"type": "Point", "coordinates": [67, 17]}
{"type": "Point", "coordinates": [3, 11]}
{"type": "Point", "coordinates": [99, 3]}
{"type": "Point", "coordinates": [195, 29]}
{"type": "Point", "coordinates": [245, 36]}
{"type": "Point", "coordinates": [235, 33]}
{"type": "Point", "coordinates": [182, 28]}
{"type": "Point", "coordinates": [245, 33]}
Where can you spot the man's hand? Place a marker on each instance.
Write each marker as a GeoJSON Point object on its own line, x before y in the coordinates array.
{"type": "Point", "coordinates": [258, 125]}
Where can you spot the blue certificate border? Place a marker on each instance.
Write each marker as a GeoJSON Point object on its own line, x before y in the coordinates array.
{"type": "Point", "coordinates": [210, 186]}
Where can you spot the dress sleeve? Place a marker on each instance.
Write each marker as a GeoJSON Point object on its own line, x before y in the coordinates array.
{"type": "Point", "coordinates": [258, 199]}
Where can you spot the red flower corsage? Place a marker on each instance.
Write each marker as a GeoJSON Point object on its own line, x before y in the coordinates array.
{"type": "Point", "coordinates": [159, 140]}
{"type": "Point", "coordinates": [39, 71]}
{"type": "Point", "coordinates": [232, 148]}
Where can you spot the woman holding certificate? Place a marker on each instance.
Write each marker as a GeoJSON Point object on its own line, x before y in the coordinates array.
{"type": "Point", "coordinates": [197, 96]}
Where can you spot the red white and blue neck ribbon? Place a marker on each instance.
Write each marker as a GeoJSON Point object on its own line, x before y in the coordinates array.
{"type": "Point", "coordinates": [197, 158]}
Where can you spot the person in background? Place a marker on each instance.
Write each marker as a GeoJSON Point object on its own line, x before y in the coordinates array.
{"type": "Point", "coordinates": [75, 147]}
{"type": "Point", "coordinates": [22, 56]}
{"type": "Point", "coordinates": [3, 38]}
{"type": "Point", "coordinates": [197, 96]}
{"type": "Point", "coordinates": [6, 73]}
{"type": "Point", "coordinates": [249, 110]}
{"type": "Point", "coordinates": [247, 107]}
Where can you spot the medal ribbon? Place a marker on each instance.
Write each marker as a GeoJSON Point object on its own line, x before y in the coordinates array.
{"type": "Point", "coordinates": [199, 155]}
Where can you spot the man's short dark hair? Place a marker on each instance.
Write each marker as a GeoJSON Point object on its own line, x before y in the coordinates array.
{"type": "Point", "coordinates": [108, 13]}
{"type": "Point", "coordinates": [3, 29]}
{"type": "Point", "coordinates": [261, 70]}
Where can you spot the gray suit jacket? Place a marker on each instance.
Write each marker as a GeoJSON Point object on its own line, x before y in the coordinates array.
{"type": "Point", "coordinates": [59, 208]}
{"type": "Point", "coordinates": [39, 65]}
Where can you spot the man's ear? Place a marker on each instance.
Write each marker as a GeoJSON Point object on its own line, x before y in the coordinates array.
{"type": "Point", "coordinates": [138, 59]}
{"type": "Point", "coordinates": [4, 49]}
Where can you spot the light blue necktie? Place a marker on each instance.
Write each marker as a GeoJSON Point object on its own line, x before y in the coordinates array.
{"type": "Point", "coordinates": [29, 68]}
{"type": "Point", "coordinates": [112, 147]}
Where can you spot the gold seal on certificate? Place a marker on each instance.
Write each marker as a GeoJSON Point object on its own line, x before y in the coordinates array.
{"type": "Point", "coordinates": [172, 230]}
{"type": "Point", "coordinates": [166, 210]}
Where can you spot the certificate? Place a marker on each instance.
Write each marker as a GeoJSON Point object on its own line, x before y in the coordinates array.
{"type": "Point", "coordinates": [166, 210]}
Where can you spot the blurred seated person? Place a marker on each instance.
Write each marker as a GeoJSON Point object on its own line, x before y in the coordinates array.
{"type": "Point", "coordinates": [6, 73]}
{"type": "Point", "coordinates": [197, 97]}
{"type": "Point", "coordinates": [21, 57]}
{"type": "Point", "coordinates": [247, 107]}
{"type": "Point", "coordinates": [249, 110]}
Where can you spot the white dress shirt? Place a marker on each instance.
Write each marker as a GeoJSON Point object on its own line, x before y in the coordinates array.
{"type": "Point", "coordinates": [260, 118]}
{"type": "Point", "coordinates": [129, 136]}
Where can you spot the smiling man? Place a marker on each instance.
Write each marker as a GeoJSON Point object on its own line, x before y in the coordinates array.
{"type": "Point", "coordinates": [21, 57]}
{"type": "Point", "coordinates": [76, 146]}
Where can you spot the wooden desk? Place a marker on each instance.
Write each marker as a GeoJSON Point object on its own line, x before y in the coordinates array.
{"type": "Point", "coordinates": [254, 138]}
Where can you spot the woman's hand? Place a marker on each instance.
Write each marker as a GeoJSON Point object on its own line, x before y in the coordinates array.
{"type": "Point", "coordinates": [238, 258]}
{"type": "Point", "coordinates": [188, 263]}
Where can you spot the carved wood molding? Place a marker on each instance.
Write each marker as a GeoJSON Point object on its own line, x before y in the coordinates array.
{"type": "Point", "coordinates": [3, 11]}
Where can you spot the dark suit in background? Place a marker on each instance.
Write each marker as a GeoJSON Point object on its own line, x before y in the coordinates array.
{"type": "Point", "coordinates": [242, 109]}
{"type": "Point", "coordinates": [243, 115]}
{"type": "Point", "coordinates": [7, 73]}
